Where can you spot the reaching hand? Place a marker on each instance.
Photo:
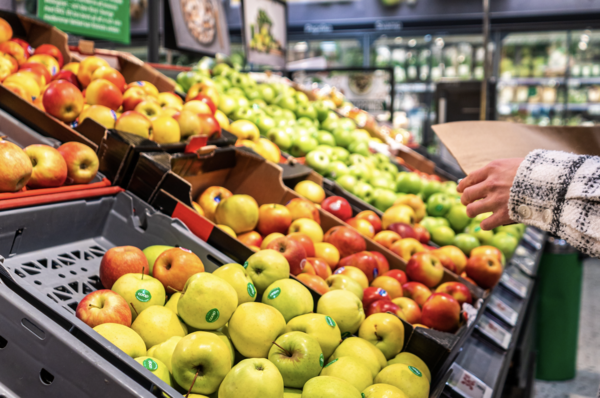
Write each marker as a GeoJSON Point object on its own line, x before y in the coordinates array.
{"type": "Point", "coordinates": [488, 189]}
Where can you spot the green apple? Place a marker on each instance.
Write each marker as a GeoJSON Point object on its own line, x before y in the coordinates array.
{"type": "Point", "coordinates": [124, 338]}
{"type": "Point", "coordinates": [306, 110]}
{"type": "Point", "coordinates": [344, 282]}
{"type": "Point", "coordinates": [429, 188]}
{"type": "Point", "coordinates": [157, 367]}
{"type": "Point", "coordinates": [438, 204]}
{"type": "Point", "coordinates": [360, 136]}
{"type": "Point", "coordinates": [325, 138]}
{"type": "Point", "coordinates": [442, 235]}
{"type": "Point", "coordinates": [329, 387]}
{"type": "Point", "coordinates": [330, 124]}
{"type": "Point", "coordinates": [351, 369]}
{"type": "Point", "coordinates": [513, 229]}
{"type": "Point", "coordinates": [280, 137]}
{"type": "Point", "coordinates": [305, 121]}
{"type": "Point", "coordinates": [238, 277]}
{"type": "Point", "coordinates": [383, 390]}
{"type": "Point", "coordinates": [505, 242]}
{"type": "Point", "coordinates": [412, 360]}
{"type": "Point", "coordinates": [322, 327]}
{"type": "Point", "coordinates": [222, 82]}
{"type": "Point", "coordinates": [164, 351]}
{"type": "Point", "coordinates": [381, 159]}
{"type": "Point", "coordinates": [457, 217]}
{"type": "Point", "coordinates": [227, 104]}
{"type": "Point", "coordinates": [325, 148]}
{"type": "Point", "coordinates": [301, 98]}
{"type": "Point", "coordinates": [408, 182]}
{"type": "Point", "coordinates": [157, 324]}
{"type": "Point", "coordinates": [298, 357]}
{"type": "Point", "coordinates": [288, 114]}
{"type": "Point", "coordinates": [449, 187]}
{"type": "Point", "coordinates": [203, 356]}
{"type": "Point", "coordinates": [302, 146]}
{"type": "Point", "coordinates": [318, 161]}
{"type": "Point", "coordinates": [342, 137]}
{"type": "Point", "coordinates": [292, 393]}
{"type": "Point", "coordinates": [152, 252]}
{"type": "Point", "coordinates": [225, 340]}
{"type": "Point", "coordinates": [344, 307]}
{"type": "Point", "coordinates": [347, 181]}
{"type": "Point", "coordinates": [252, 378]}
{"type": "Point", "coordinates": [281, 122]}
{"type": "Point", "coordinates": [267, 93]}
{"type": "Point", "coordinates": [235, 92]}
{"type": "Point", "coordinates": [362, 190]}
{"type": "Point", "coordinates": [360, 147]}
{"type": "Point", "coordinates": [390, 168]}
{"type": "Point", "coordinates": [363, 350]}
{"type": "Point", "coordinates": [484, 237]}
{"type": "Point", "coordinates": [383, 198]}
{"type": "Point", "coordinates": [252, 93]}
{"type": "Point", "coordinates": [340, 154]}
{"type": "Point", "coordinates": [379, 180]}
{"type": "Point", "coordinates": [357, 159]}
{"type": "Point", "coordinates": [243, 113]}
{"type": "Point", "coordinates": [406, 378]}
{"type": "Point", "coordinates": [430, 223]}
{"type": "Point", "coordinates": [273, 111]}
{"type": "Point", "coordinates": [336, 169]}
{"type": "Point", "coordinates": [207, 301]}
{"type": "Point", "coordinates": [140, 291]}
{"type": "Point", "coordinates": [288, 103]}
{"type": "Point", "coordinates": [289, 297]}
{"type": "Point", "coordinates": [322, 110]}
{"type": "Point", "coordinates": [253, 328]}
{"type": "Point", "coordinates": [264, 123]}
{"type": "Point", "coordinates": [360, 171]}
{"type": "Point", "coordinates": [266, 267]}
{"type": "Point", "coordinates": [347, 124]}
{"type": "Point", "coordinates": [221, 69]}
{"type": "Point", "coordinates": [466, 243]}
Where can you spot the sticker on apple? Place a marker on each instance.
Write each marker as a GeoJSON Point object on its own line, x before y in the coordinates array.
{"type": "Point", "coordinates": [143, 295]}
{"type": "Point", "coordinates": [212, 315]}
{"type": "Point", "coordinates": [415, 371]}
{"type": "Point", "coordinates": [330, 321]}
{"type": "Point", "coordinates": [273, 294]}
{"type": "Point", "coordinates": [245, 264]}
{"type": "Point", "coordinates": [150, 364]}
{"type": "Point", "coordinates": [321, 360]}
{"type": "Point", "coordinates": [251, 290]}
{"type": "Point", "coordinates": [332, 362]}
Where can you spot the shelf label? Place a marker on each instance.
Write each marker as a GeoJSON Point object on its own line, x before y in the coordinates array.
{"type": "Point", "coordinates": [536, 244]}
{"type": "Point", "coordinates": [495, 332]}
{"type": "Point", "coordinates": [525, 264]}
{"type": "Point", "coordinates": [501, 309]}
{"type": "Point", "coordinates": [467, 385]}
{"type": "Point", "coordinates": [514, 285]}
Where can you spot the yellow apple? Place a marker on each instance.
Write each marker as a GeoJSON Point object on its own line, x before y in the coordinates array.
{"type": "Point", "coordinates": [308, 227]}
{"type": "Point", "coordinates": [165, 130]}
{"type": "Point", "coordinates": [239, 212]}
{"type": "Point", "coordinates": [310, 190]}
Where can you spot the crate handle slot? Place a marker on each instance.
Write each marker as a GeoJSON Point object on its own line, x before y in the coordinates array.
{"type": "Point", "coordinates": [27, 324]}
{"type": "Point", "coordinates": [15, 243]}
{"type": "Point", "coordinates": [46, 377]}
{"type": "Point", "coordinates": [3, 342]}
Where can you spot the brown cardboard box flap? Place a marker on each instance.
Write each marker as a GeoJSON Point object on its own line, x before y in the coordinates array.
{"type": "Point", "coordinates": [475, 144]}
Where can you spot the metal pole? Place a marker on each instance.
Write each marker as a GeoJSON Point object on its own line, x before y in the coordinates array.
{"type": "Point", "coordinates": [486, 60]}
{"type": "Point", "coordinates": [153, 30]}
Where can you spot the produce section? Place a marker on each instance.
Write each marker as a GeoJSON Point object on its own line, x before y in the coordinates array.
{"type": "Point", "coordinates": [229, 233]}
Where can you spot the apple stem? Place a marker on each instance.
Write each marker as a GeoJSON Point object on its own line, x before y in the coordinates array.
{"type": "Point", "coordinates": [91, 305]}
{"type": "Point", "coordinates": [143, 269]}
{"type": "Point", "coordinates": [289, 354]}
{"type": "Point", "coordinates": [193, 382]}
{"type": "Point", "coordinates": [132, 306]}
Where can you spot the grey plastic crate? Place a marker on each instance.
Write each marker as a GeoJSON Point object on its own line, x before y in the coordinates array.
{"type": "Point", "coordinates": [52, 258]}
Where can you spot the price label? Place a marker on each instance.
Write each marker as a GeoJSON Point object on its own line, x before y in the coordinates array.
{"type": "Point", "coordinates": [495, 332]}
{"type": "Point", "coordinates": [467, 385]}
{"type": "Point", "coordinates": [533, 242]}
{"type": "Point", "coordinates": [501, 309]}
{"type": "Point", "coordinates": [514, 285]}
{"type": "Point", "coordinates": [525, 264]}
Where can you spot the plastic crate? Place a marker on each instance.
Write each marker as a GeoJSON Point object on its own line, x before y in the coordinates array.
{"type": "Point", "coordinates": [53, 253]}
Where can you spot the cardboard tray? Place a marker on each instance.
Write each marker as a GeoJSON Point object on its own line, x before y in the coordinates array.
{"type": "Point", "coordinates": [52, 257]}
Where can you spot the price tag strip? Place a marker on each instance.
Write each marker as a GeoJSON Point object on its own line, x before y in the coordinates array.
{"type": "Point", "coordinates": [536, 244]}
{"type": "Point", "coordinates": [525, 264]}
{"type": "Point", "coordinates": [513, 285]}
{"type": "Point", "coordinates": [468, 385]}
{"type": "Point", "coordinates": [495, 332]}
{"type": "Point", "coordinates": [503, 311]}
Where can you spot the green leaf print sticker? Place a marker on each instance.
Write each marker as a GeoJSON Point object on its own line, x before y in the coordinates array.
{"type": "Point", "coordinates": [274, 293]}
{"type": "Point", "coordinates": [251, 290]}
{"type": "Point", "coordinates": [415, 371]}
{"type": "Point", "coordinates": [150, 364]}
{"type": "Point", "coordinates": [212, 315]}
{"type": "Point", "coordinates": [245, 264]}
{"type": "Point", "coordinates": [330, 321]}
{"type": "Point", "coordinates": [143, 295]}
{"type": "Point", "coordinates": [321, 360]}
{"type": "Point", "coordinates": [332, 362]}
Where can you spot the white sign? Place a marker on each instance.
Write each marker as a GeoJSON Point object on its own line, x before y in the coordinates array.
{"type": "Point", "coordinates": [514, 285]}
{"type": "Point", "coordinates": [495, 332]}
{"type": "Point", "coordinates": [468, 385]}
{"type": "Point", "coordinates": [502, 309]}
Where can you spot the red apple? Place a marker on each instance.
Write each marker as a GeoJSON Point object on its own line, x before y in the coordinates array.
{"type": "Point", "coordinates": [425, 268]}
{"type": "Point", "coordinates": [398, 275]}
{"type": "Point", "coordinates": [293, 252]}
{"type": "Point", "coordinates": [103, 306]}
{"type": "Point", "coordinates": [38, 69]}
{"type": "Point", "coordinates": [104, 92]}
{"type": "Point", "coordinates": [386, 238]}
{"type": "Point", "coordinates": [372, 294]}
{"type": "Point", "coordinates": [423, 234]}
{"type": "Point", "coordinates": [403, 229]}
{"type": "Point", "coordinates": [445, 259]}
{"type": "Point", "coordinates": [119, 261]}
{"type": "Point", "coordinates": [346, 240]}
{"type": "Point", "coordinates": [173, 268]}
{"type": "Point", "coordinates": [67, 75]}
{"type": "Point", "coordinates": [457, 290]}
{"type": "Point", "coordinates": [15, 167]}
{"type": "Point", "coordinates": [51, 50]}
{"type": "Point", "coordinates": [487, 250]}
{"type": "Point", "coordinates": [320, 267]}
{"type": "Point", "coordinates": [416, 291]}
{"type": "Point", "coordinates": [314, 282]}
{"type": "Point", "coordinates": [273, 218]}
{"type": "Point", "coordinates": [251, 238]}
{"type": "Point", "coordinates": [209, 126]}
{"type": "Point", "coordinates": [63, 100]}
{"type": "Point", "coordinates": [371, 217]}
{"type": "Point", "coordinates": [410, 309]}
{"type": "Point", "coordinates": [302, 208]}
{"type": "Point", "coordinates": [441, 312]}
{"type": "Point", "coordinates": [362, 226]}
{"type": "Point", "coordinates": [383, 306]}
{"type": "Point", "coordinates": [49, 167]}
{"type": "Point", "coordinates": [206, 99]}
{"type": "Point", "coordinates": [485, 269]}
{"type": "Point", "coordinates": [465, 277]}
{"type": "Point", "coordinates": [110, 74]}
{"type": "Point", "coordinates": [383, 264]}
{"type": "Point", "coordinates": [364, 261]}
{"type": "Point", "coordinates": [305, 241]}
{"type": "Point", "coordinates": [26, 46]}
{"type": "Point", "coordinates": [337, 206]}
{"type": "Point", "coordinates": [82, 162]}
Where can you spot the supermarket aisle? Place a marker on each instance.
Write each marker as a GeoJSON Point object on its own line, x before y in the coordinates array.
{"type": "Point", "coordinates": [585, 384]}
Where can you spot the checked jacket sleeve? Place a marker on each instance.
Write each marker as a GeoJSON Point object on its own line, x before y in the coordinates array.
{"type": "Point", "coordinates": [559, 192]}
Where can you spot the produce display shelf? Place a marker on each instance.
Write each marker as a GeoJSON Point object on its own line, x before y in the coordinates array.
{"type": "Point", "coordinates": [52, 256]}
{"type": "Point", "coordinates": [482, 367]}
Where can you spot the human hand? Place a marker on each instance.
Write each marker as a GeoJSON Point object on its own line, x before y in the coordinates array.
{"type": "Point", "coordinates": [488, 189]}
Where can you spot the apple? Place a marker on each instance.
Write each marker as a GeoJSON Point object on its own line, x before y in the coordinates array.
{"type": "Point", "coordinates": [407, 379]}
{"type": "Point", "coordinates": [383, 198]}
{"type": "Point", "coordinates": [426, 268]}
{"type": "Point", "coordinates": [63, 100]}
{"type": "Point", "coordinates": [310, 190]}
{"type": "Point", "coordinates": [372, 294]}
{"type": "Point", "coordinates": [302, 208]}
{"type": "Point", "coordinates": [372, 218]}
{"type": "Point", "coordinates": [320, 267]}
{"type": "Point", "coordinates": [269, 238]}
{"type": "Point", "coordinates": [253, 377]}
{"type": "Point", "coordinates": [484, 269]}
{"type": "Point", "coordinates": [386, 238]}
{"type": "Point", "coordinates": [123, 337]}
{"type": "Point", "coordinates": [383, 306]}
{"type": "Point", "coordinates": [67, 75]}
{"type": "Point", "coordinates": [347, 181]}
{"type": "Point", "coordinates": [112, 75]}
{"type": "Point", "coordinates": [410, 309]}
{"type": "Point", "coordinates": [406, 248]}
{"type": "Point", "coordinates": [103, 306]}
{"type": "Point", "coordinates": [483, 250]}
{"type": "Point", "coordinates": [210, 199]}
{"type": "Point", "coordinates": [134, 122]}
{"type": "Point", "coordinates": [289, 297]}
{"type": "Point", "coordinates": [320, 327]}
{"type": "Point", "coordinates": [87, 68]}
{"type": "Point", "coordinates": [207, 301]}
{"type": "Point", "coordinates": [344, 307]}
{"type": "Point", "coordinates": [350, 369]}
{"type": "Point", "coordinates": [132, 97]}
{"type": "Point", "coordinates": [441, 312]}
{"type": "Point", "coordinates": [82, 162]}
{"type": "Point", "coordinates": [251, 238]}
{"type": "Point", "coordinates": [416, 291]}
{"type": "Point", "coordinates": [140, 291]}
{"type": "Point", "coordinates": [346, 240]}
{"type": "Point", "coordinates": [173, 267]}
{"type": "Point", "coordinates": [308, 227]}
{"type": "Point", "coordinates": [398, 213]}
{"type": "Point", "coordinates": [415, 202]}
{"type": "Point", "coordinates": [298, 357]}
{"type": "Point", "coordinates": [209, 126]}
{"type": "Point", "coordinates": [363, 350]}
{"type": "Point", "coordinates": [383, 265]}
{"type": "Point", "coordinates": [389, 284]}
{"type": "Point", "coordinates": [384, 331]}
{"type": "Point", "coordinates": [15, 167]}
{"type": "Point", "coordinates": [273, 218]}
{"type": "Point", "coordinates": [337, 206]}
{"type": "Point", "coordinates": [305, 241]}
{"type": "Point", "coordinates": [51, 50]}
{"type": "Point", "coordinates": [505, 242]}
{"type": "Point", "coordinates": [403, 229]}
{"type": "Point", "coordinates": [408, 183]}
{"type": "Point", "coordinates": [36, 68]}
{"type": "Point", "coordinates": [121, 260]}
{"type": "Point", "coordinates": [329, 387]}
{"type": "Point", "coordinates": [383, 390]}
{"type": "Point", "coordinates": [200, 361]}
{"type": "Point", "coordinates": [458, 218]}
{"type": "Point", "coordinates": [293, 252]}
{"type": "Point", "coordinates": [485, 237]}
{"type": "Point", "coordinates": [397, 274]}
{"type": "Point", "coordinates": [411, 359]}
{"type": "Point", "coordinates": [253, 328]}
{"type": "Point", "coordinates": [314, 282]}
{"type": "Point", "coordinates": [422, 233]}
{"type": "Point", "coordinates": [364, 261]}
{"type": "Point", "coordinates": [457, 290]}
{"type": "Point", "coordinates": [104, 92]}
{"type": "Point", "coordinates": [238, 277]}
{"type": "Point", "coordinates": [457, 256]}
{"type": "Point", "coordinates": [466, 242]}
{"type": "Point", "coordinates": [18, 90]}
{"type": "Point", "coordinates": [318, 160]}
{"type": "Point", "coordinates": [363, 190]}
{"type": "Point", "coordinates": [100, 114]}
{"type": "Point", "coordinates": [157, 324]}
{"type": "Point", "coordinates": [438, 204]}
{"type": "Point", "coordinates": [240, 212]}
{"type": "Point", "coordinates": [327, 252]}
{"type": "Point", "coordinates": [6, 31]}
{"type": "Point", "coordinates": [362, 226]}
{"type": "Point", "coordinates": [345, 282]}
{"type": "Point", "coordinates": [152, 253]}
{"type": "Point", "coordinates": [165, 130]}
{"type": "Point", "coordinates": [15, 50]}
{"type": "Point", "coordinates": [354, 273]}
{"type": "Point", "coordinates": [266, 267]}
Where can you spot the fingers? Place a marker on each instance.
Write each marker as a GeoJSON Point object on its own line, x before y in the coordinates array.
{"type": "Point", "coordinates": [481, 206]}
{"type": "Point", "coordinates": [474, 178]}
{"type": "Point", "coordinates": [473, 193]}
{"type": "Point", "coordinates": [497, 219]}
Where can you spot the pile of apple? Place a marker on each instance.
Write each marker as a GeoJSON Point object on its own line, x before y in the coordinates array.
{"type": "Point", "coordinates": [247, 330]}
{"type": "Point", "coordinates": [41, 166]}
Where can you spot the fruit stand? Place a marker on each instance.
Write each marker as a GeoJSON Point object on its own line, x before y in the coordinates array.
{"type": "Point", "coordinates": [162, 239]}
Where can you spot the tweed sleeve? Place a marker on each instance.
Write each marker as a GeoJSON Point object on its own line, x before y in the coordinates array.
{"type": "Point", "coordinates": [559, 192]}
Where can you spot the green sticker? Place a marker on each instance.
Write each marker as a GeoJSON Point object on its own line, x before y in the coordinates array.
{"type": "Point", "coordinates": [212, 315]}
{"type": "Point", "coordinates": [274, 293]}
{"type": "Point", "coordinates": [439, 208]}
{"type": "Point", "coordinates": [477, 228]}
{"type": "Point", "coordinates": [362, 394]}
{"type": "Point", "coordinates": [415, 371]}
{"type": "Point", "coordinates": [150, 364]}
{"type": "Point", "coordinates": [143, 295]}
{"type": "Point", "coordinates": [245, 264]}
{"type": "Point", "coordinates": [345, 335]}
{"type": "Point", "coordinates": [330, 321]}
{"type": "Point", "coordinates": [251, 290]}
{"type": "Point", "coordinates": [332, 362]}
{"type": "Point", "coordinates": [321, 360]}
